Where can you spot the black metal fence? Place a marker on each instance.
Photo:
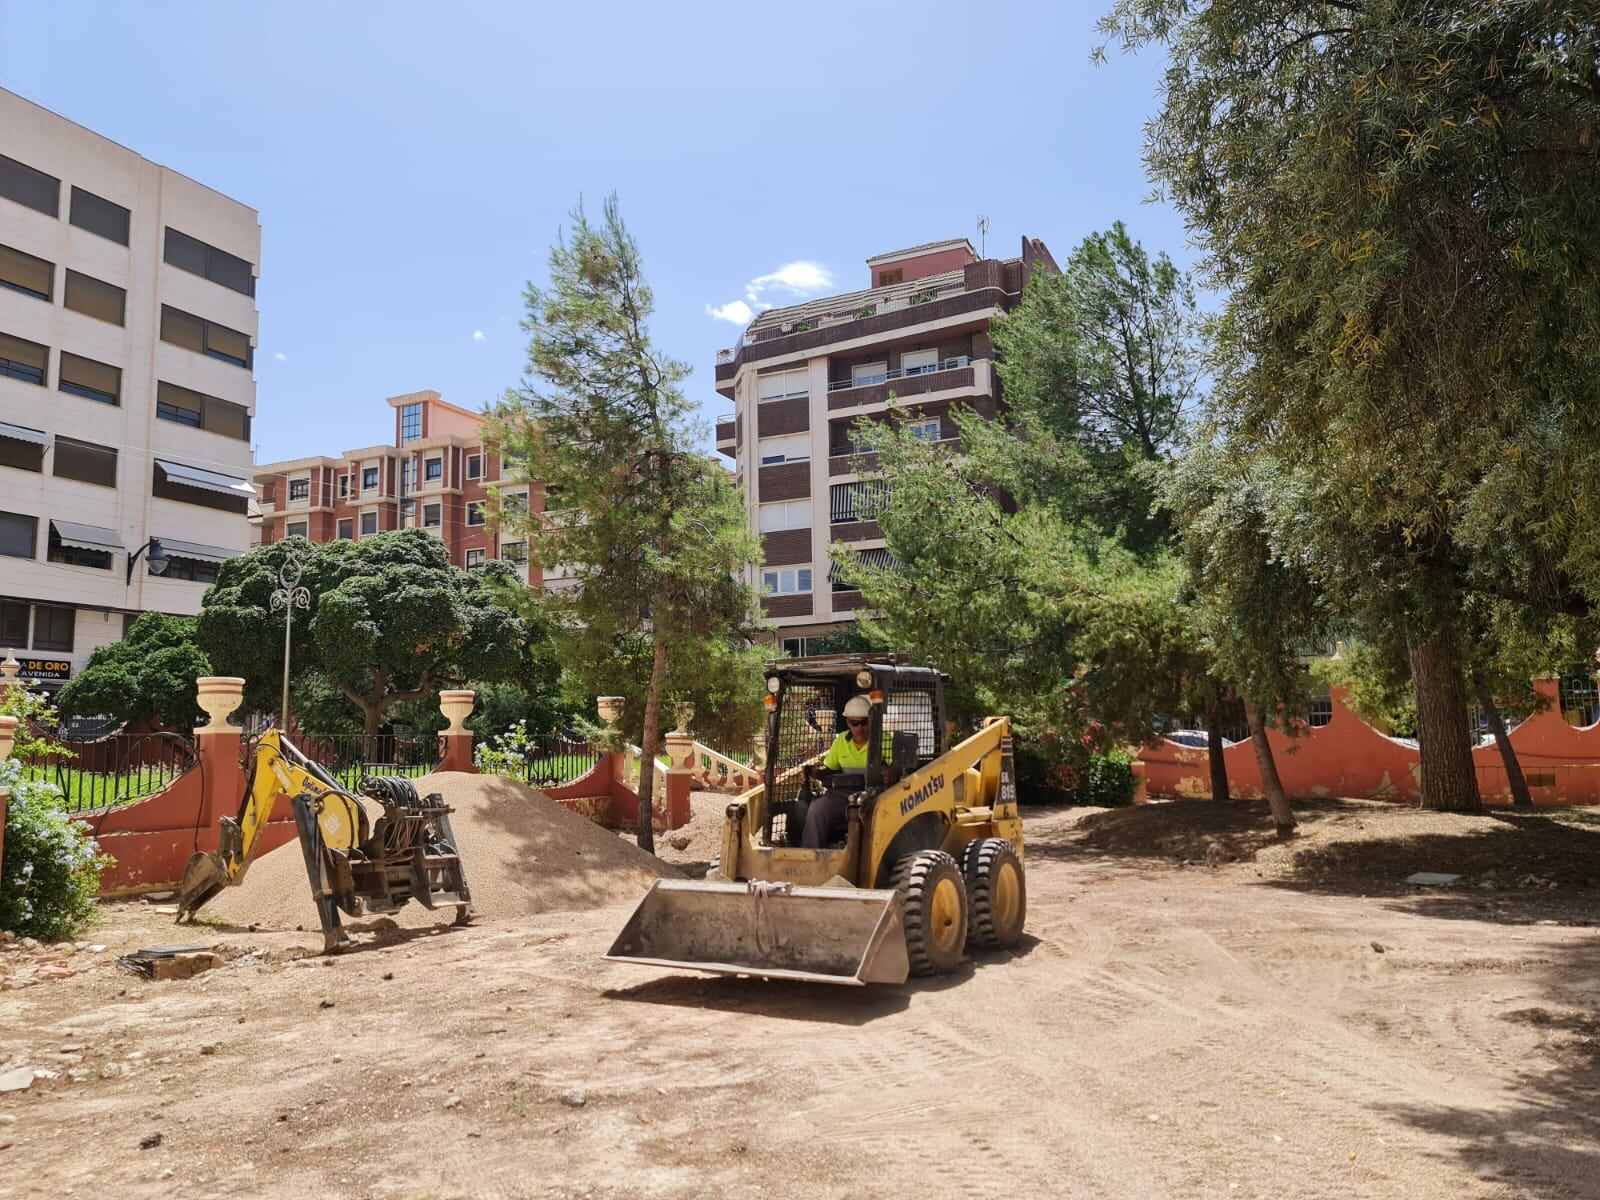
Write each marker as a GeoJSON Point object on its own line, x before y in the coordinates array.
{"type": "Point", "coordinates": [349, 757]}
{"type": "Point", "coordinates": [541, 760]}
{"type": "Point", "coordinates": [112, 771]}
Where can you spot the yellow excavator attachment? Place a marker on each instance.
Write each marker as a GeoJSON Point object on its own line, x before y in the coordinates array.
{"type": "Point", "coordinates": [813, 934]}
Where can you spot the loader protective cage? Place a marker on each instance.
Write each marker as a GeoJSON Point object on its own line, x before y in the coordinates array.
{"type": "Point", "coordinates": [811, 694]}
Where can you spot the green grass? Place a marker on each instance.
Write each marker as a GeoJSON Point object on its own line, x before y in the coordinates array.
{"type": "Point", "coordinates": [92, 789]}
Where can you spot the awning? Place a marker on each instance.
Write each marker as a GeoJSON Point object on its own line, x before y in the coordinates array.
{"type": "Point", "coordinates": [206, 481]}
{"type": "Point", "coordinates": [879, 558]}
{"type": "Point", "coordinates": [86, 537]}
{"type": "Point", "coordinates": [173, 548]}
{"type": "Point", "coordinates": [21, 433]}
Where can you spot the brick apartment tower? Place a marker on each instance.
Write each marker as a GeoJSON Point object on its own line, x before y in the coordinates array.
{"type": "Point", "coordinates": [435, 475]}
{"type": "Point", "coordinates": [803, 378]}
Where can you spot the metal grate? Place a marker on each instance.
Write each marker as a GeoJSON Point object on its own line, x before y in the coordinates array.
{"type": "Point", "coordinates": [810, 719]}
{"type": "Point", "coordinates": [910, 708]}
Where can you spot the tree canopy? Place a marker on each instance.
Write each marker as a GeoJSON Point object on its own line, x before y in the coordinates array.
{"type": "Point", "coordinates": [146, 677]}
{"type": "Point", "coordinates": [390, 620]}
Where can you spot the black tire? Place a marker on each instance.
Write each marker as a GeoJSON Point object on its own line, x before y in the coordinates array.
{"type": "Point", "coordinates": [997, 894]}
{"type": "Point", "coordinates": [933, 910]}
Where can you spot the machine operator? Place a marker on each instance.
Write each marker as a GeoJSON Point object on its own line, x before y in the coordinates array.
{"type": "Point", "coordinates": [825, 816]}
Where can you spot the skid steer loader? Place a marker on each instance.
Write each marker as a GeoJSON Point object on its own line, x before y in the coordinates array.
{"type": "Point", "coordinates": [364, 854]}
{"type": "Point", "coordinates": [929, 859]}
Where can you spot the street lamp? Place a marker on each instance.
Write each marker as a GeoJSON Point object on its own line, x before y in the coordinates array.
{"type": "Point", "coordinates": [157, 560]}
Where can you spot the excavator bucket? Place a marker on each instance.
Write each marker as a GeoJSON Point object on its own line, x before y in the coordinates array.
{"type": "Point", "coordinates": [814, 934]}
{"type": "Point", "coordinates": [203, 877]}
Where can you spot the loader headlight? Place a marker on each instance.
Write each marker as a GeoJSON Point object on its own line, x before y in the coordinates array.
{"type": "Point", "coordinates": [772, 684]}
{"type": "Point", "coordinates": [863, 679]}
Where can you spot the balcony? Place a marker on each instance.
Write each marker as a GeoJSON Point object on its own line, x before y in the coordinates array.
{"type": "Point", "coordinates": [726, 435]}
{"type": "Point", "coordinates": [949, 364]}
{"type": "Point", "coordinates": [845, 461]}
{"type": "Point", "coordinates": [952, 375]}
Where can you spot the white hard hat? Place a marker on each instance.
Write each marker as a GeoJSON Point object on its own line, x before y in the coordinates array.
{"type": "Point", "coordinates": [858, 706]}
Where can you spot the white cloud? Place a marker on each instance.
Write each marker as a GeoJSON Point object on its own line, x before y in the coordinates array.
{"type": "Point", "coordinates": [281, 356]}
{"type": "Point", "coordinates": [479, 336]}
{"type": "Point", "coordinates": [790, 282]}
{"type": "Point", "coordinates": [736, 311]}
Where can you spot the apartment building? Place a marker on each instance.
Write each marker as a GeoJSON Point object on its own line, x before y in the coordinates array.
{"type": "Point", "coordinates": [804, 380]}
{"type": "Point", "coordinates": [127, 333]}
{"type": "Point", "coordinates": [435, 474]}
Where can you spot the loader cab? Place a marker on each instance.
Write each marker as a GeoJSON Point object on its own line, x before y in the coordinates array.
{"type": "Point", "coordinates": [805, 706]}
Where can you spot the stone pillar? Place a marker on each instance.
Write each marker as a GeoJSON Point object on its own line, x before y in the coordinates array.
{"type": "Point", "coordinates": [1141, 787]}
{"type": "Point", "coordinates": [456, 705]}
{"type": "Point", "coordinates": [680, 780]}
{"type": "Point", "coordinates": [217, 742]}
{"type": "Point", "coordinates": [8, 733]}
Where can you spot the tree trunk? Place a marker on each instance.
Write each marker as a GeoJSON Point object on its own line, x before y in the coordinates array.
{"type": "Point", "coordinates": [1277, 800]}
{"type": "Point", "coordinates": [1449, 783]}
{"type": "Point", "coordinates": [371, 719]}
{"type": "Point", "coordinates": [1520, 796]}
{"type": "Point", "coordinates": [648, 741]}
{"type": "Point", "coordinates": [1214, 747]}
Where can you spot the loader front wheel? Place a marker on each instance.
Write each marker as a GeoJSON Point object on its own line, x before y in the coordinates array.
{"type": "Point", "coordinates": [934, 899]}
{"type": "Point", "coordinates": [996, 892]}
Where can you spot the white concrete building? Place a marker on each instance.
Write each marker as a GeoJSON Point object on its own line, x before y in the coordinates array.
{"type": "Point", "coordinates": [127, 332]}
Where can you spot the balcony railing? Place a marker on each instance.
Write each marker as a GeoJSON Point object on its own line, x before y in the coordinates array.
{"type": "Point", "coordinates": [949, 364]}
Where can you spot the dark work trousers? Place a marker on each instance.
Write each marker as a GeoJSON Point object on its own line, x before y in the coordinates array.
{"type": "Point", "coordinates": [824, 818]}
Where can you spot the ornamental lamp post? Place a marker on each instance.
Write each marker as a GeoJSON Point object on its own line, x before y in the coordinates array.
{"type": "Point", "coordinates": [288, 596]}
{"type": "Point", "coordinates": [157, 559]}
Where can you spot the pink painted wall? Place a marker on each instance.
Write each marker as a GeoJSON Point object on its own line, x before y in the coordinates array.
{"type": "Point", "coordinates": [1347, 757]}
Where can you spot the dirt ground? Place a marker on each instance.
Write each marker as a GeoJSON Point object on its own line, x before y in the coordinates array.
{"type": "Point", "coordinates": [1196, 1012]}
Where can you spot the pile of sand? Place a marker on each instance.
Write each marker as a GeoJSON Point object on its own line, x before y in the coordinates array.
{"type": "Point", "coordinates": [523, 853]}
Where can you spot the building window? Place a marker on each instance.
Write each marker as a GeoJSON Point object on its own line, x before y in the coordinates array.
{"type": "Point", "coordinates": [514, 552]}
{"type": "Point", "coordinates": [299, 489]}
{"type": "Point", "coordinates": [95, 298]}
{"type": "Point", "coordinates": [862, 501]}
{"type": "Point", "coordinates": [919, 362]}
{"type": "Point", "coordinates": [1321, 712]}
{"type": "Point", "coordinates": [793, 448]}
{"type": "Point", "coordinates": [204, 337]}
{"type": "Point", "coordinates": [369, 479]}
{"type": "Point", "coordinates": [867, 374]}
{"type": "Point", "coordinates": [26, 274]}
{"type": "Point", "coordinates": [295, 529]}
{"type": "Point", "coordinates": [13, 624]}
{"type": "Point", "coordinates": [21, 452]}
{"type": "Point", "coordinates": [789, 581]}
{"type": "Point", "coordinates": [474, 559]}
{"type": "Point", "coordinates": [191, 570]}
{"type": "Point", "coordinates": [433, 468]}
{"type": "Point", "coordinates": [30, 187]}
{"type": "Point", "coordinates": [347, 529]}
{"type": "Point", "coordinates": [57, 551]}
{"type": "Point", "coordinates": [198, 258]}
{"type": "Point", "coordinates": [890, 276]}
{"type": "Point", "coordinates": [52, 627]}
{"type": "Point", "coordinates": [369, 523]}
{"type": "Point", "coordinates": [89, 379]}
{"type": "Point", "coordinates": [786, 514]}
{"type": "Point", "coordinates": [344, 486]}
{"type": "Point", "coordinates": [99, 215]}
{"type": "Point", "coordinates": [924, 431]}
{"type": "Point", "coordinates": [23, 360]}
{"type": "Point", "coordinates": [477, 513]}
{"type": "Point", "coordinates": [1580, 699]}
{"type": "Point", "coordinates": [17, 534]}
{"type": "Point", "coordinates": [474, 466]}
{"type": "Point", "coordinates": [86, 462]}
{"type": "Point", "coordinates": [432, 516]}
{"type": "Point", "coordinates": [199, 411]}
{"type": "Point", "coordinates": [781, 385]}
{"type": "Point", "coordinates": [199, 486]}
{"type": "Point", "coordinates": [410, 423]}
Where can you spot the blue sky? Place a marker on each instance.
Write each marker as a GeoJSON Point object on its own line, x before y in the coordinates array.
{"type": "Point", "coordinates": [412, 162]}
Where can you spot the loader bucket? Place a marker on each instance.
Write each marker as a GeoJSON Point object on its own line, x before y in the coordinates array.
{"type": "Point", "coordinates": [815, 934]}
{"type": "Point", "coordinates": [203, 877]}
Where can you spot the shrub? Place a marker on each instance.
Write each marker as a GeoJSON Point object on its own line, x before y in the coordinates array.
{"type": "Point", "coordinates": [52, 866]}
{"type": "Point", "coordinates": [1107, 779]}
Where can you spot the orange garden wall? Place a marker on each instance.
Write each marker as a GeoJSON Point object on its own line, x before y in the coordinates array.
{"type": "Point", "coordinates": [1347, 757]}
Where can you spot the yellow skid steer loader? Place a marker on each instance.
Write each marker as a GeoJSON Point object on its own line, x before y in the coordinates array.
{"type": "Point", "coordinates": [927, 860]}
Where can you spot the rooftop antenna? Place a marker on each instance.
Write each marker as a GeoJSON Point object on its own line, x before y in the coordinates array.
{"type": "Point", "coordinates": [983, 236]}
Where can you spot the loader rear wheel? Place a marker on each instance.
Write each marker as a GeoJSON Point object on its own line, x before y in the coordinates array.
{"type": "Point", "coordinates": [934, 899]}
{"type": "Point", "coordinates": [997, 894]}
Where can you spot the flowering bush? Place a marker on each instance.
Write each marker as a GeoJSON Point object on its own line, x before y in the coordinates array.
{"type": "Point", "coordinates": [507, 753]}
{"type": "Point", "coordinates": [52, 866]}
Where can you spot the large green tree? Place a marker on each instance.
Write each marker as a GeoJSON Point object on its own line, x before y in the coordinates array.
{"type": "Point", "coordinates": [651, 536]}
{"type": "Point", "coordinates": [390, 620]}
{"type": "Point", "coordinates": [146, 677]}
{"type": "Point", "coordinates": [1397, 199]}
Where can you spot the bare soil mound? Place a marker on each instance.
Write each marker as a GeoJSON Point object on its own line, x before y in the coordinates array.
{"type": "Point", "coordinates": [523, 853]}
